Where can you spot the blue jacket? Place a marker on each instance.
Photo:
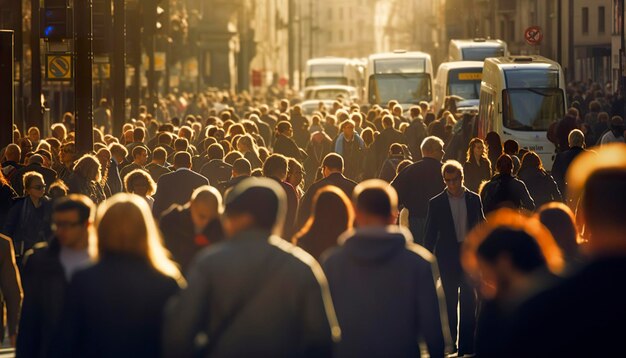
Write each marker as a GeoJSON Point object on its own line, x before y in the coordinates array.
{"type": "Point", "coordinates": [384, 292]}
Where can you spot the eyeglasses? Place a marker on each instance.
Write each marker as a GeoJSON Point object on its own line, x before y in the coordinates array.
{"type": "Point", "coordinates": [64, 225]}
{"type": "Point", "coordinates": [38, 187]}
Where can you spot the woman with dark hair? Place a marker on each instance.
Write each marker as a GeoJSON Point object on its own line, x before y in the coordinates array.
{"type": "Point", "coordinates": [539, 183]}
{"type": "Point", "coordinates": [494, 148]}
{"type": "Point", "coordinates": [505, 190]}
{"type": "Point", "coordinates": [559, 219]}
{"type": "Point", "coordinates": [477, 167]}
{"type": "Point", "coordinates": [85, 179]}
{"type": "Point", "coordinates": [139, 182]}
{"type": "Point", "coordinates": [7, 197]}
{"type": "Point", "coordinates": [332, 214]}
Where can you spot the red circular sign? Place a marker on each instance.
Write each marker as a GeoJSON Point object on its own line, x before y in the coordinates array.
{"type": "Point", "coordinates": [533, 35]}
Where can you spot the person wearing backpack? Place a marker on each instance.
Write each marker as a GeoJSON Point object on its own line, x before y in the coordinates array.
{"type": "Point", "coordinates": [505, 190]}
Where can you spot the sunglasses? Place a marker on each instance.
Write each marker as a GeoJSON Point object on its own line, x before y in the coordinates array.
{"type": "Point", "coordinates": [38, 187]}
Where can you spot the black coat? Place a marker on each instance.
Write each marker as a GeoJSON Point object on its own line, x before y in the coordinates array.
{"type": "Point", "coordinates": [417, 184]}
{"type": "Point", "coordinates": [157, 171]}
{"type": "Point", "coordinates": [440, 237]}
{"type": "Point", "coordinates": [7, 198]}
{"type": "Point", "coordinates": [287, 147]}
{"type": "Point", "coordinates": [113, 179]}
{"type": "Point", "coordinates": [217, 171]}
{"type": "Point", "coordinates": [384, 140]}
{"type": "Point", "coordinates": [114, 309]}
{"type": "Point", "coordinates": [306, 203]}
{"type": "Point", "coordinates": [540, 185]}
{"type": "Point", "coordinates": [180, 238]}
{"type": "Point", "coordinates": [561, 163]}
{"type": "Point", "coordinates": [45, 286]}
{"type": "Point", "coordinates": [505, 191]}
{"type": "Point", "coordinates": [81, 185]}
{"type": "Point", "coordinates": [176, 188]}
{"type": "Point", "coordinates": [415, 135]}
{"type": "Point", "coordinates": [28, 225]}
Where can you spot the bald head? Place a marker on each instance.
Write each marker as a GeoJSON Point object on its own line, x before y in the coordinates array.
{"type": "Point", "coordinates": [13, 152]}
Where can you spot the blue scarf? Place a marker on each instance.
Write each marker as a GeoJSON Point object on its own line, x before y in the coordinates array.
{"type": "Point", "coordinates": [341, 138]}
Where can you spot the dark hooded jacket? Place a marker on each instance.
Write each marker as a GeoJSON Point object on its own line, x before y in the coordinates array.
{"type": "Point", "coordinates": [384, 291]}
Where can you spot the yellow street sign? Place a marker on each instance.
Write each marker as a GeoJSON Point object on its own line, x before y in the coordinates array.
{"type": "Point", "coordinates": [58, 67]}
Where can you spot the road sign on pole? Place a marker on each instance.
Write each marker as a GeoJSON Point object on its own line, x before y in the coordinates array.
{"type": "Point", "coordinates": [533, 35]}
{"type": "Point", "coordinates": [58, 67]}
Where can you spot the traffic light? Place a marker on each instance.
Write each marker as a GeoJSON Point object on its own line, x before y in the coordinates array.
{"type": "Point", "coordinates": [55, 20]}
{"type": "Point", "coordinates": [102, 26]}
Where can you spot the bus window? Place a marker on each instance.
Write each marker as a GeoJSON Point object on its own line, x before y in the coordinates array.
{"type": "Point", "coordinates": [481, 53]}
{"type": "Point", "coordinates": [327, 70]}
{"type": "Point", "coordinates": [541, 78]}
{"type": "Point", "coordinates": [464, 83]}
{"type": "Point", "coordinates": [531, 109]}
{"type": "Point", "coordinates": [400, 65]}
{"type": "Point", "coordinates": [405, 88]}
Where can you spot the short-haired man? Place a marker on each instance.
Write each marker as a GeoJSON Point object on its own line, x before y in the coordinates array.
{"type": "Point", "coordinates": [418, 183]}
{"type": "Point", "coordinates": [416, 132]}
{"type": "Point", "coordinates": [276, 167]}
{"type": "Point", "coordinates": [576, 141]}
{"type": "Point", "coordinates": [241, 170]}
{"type": "Point", "coordinates": [332, 170]}
{"type": "Point", "coordinates": [351, 147]}
{"type": "Point", "coordinates": [385, 139]}
{"type": "Point", "coordinates": [176, 187]}
{"type": "Point", "coordinates": [157, 167]}
{"type": "Point", "coordinates": [217, 171]}
{"type": "Point", "coordinates": [451, 215]}
{"type": "Point", "coordinates": [140, 158]}
{"type": "Point", "coordinates": [47, 271]}
{"type": "Point", "coordinates": [191, 227]}
{"type": "Point", "coordinates": [253, 294]}
{"type": "Point", "coordinates": [11, 163]}
{"type": "Point", "coordinates": [366, 273]}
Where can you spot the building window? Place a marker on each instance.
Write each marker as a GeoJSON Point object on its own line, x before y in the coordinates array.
{"type": "Point", "coordinates": [340, 36]}
{"type": "Point", "coordinates": [585, 21]}
{"type": "Point", "coordinates": [601, 23]}
{"type": "Point", "coordinates": [511, 34]}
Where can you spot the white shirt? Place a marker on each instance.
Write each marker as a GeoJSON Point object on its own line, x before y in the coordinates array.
{"type": "Point", "coordinates": [458, 207]}
{"type": "Point", "coordinates": [73, 260]}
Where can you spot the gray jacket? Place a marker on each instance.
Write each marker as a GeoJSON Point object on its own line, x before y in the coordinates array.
{"type": "Point", "coordinates": [254, 295]}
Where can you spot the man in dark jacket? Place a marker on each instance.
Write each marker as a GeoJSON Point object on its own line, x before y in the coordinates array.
{"type": "Point", "coordinates": [47, 272]}
{"type": "Point", "coordinates": [576, 140]}
{"type": "Point", "coordinates": [35, 164]}
{"type": "Point", "coordinates": [275, 167]}
{"type": "Point", "coordinates": [505, 190]}
{"type": "Point", "coordinates": [241, 170]}
{"type": "Point", "coordinates": [284, 144]}
{"type": "Point", "coordinates": [451, 216]}
{"type": "Point", "coordinates": [253, 294]}
{"type": "Point", "coordinates": [366, 273]}
{"type": "Point", "coordinates": [189, 228]}
{"type": "Point", "coordinates": [420, 182]}
{"type": "Point", "coordinates": [332, 167]}
{"type": "Point", "coordinates": [140, 158]}
{"type": "Point", "coordinates": [416, 132]}
{"type": "Point", "coordinates": [157, 167]}
{"type": "Point", "coordinates": [176, 187]}
{"type": "Point", "coordinates": [387, 137]}
{"type": "Point", "coordinates": [217, 171]}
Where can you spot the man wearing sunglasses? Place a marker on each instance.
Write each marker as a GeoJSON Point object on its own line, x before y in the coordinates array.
{"type": "Point", "coordinates": [48, 269]}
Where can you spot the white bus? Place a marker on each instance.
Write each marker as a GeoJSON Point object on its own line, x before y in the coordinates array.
{"type": "Point", "coordinates": [520, 97]}
{"type": "Point", "coordinates": [333, 71]}
{"type": "Point", "coordinates": [403, 76]}
{"type": "Point", "coordinates": [476, 49]}
{"type": "Point", "coordinates": [460, 79]}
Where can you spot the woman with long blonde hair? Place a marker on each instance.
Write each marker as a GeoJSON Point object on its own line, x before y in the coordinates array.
{"type": "Point", "coordinates": [121, 298]}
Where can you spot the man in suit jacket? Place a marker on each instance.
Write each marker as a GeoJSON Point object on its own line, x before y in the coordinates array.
{"type": "Point", "coordinates": [420, 182]}
{"type": "Point", "coordinates": [576, 140]}
{"type": "Point", "coordinates": [177, 187]}
{"type": "Point", "coordinates": [451, 215]}
{"type": "Point", "coordinates": [332, 167]}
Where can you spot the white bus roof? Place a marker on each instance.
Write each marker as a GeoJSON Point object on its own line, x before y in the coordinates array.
{"type": "Point", "coordinates": [398, 54]}
{"type": "Point", "coordinates": [327, 60]}
{"type": "Point", "coordinates": [460, 64]}
{"type": "Point", "coordinates": [477, 43]}
{"type": "Point", "coordinates": [510, 62]}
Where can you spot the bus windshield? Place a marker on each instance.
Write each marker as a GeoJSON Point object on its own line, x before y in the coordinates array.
{"type": "Point", "coordinates": [321, 81]}
{"type": "Point", "coordinates": [405, 88]}
{"type": "Point", "coordinates": [326, 70]}
{"type": "Point", "coordinates": [532, 109]}
{"type": "Point", "coordinates": [465, 83]}
{"type": "Point", "coordinates": [481, 53]}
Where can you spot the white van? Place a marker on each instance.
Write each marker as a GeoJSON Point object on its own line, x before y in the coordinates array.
{"type": "Point", "coordinates": [476, 49]}
{"type": "Point", "coordinates": [460, 79]}
{"type": "Point", "coordinates": [520, 97]}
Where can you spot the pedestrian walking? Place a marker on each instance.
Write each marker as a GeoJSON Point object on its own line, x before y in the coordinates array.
{"type": "Point", "coordinates": [564, 159]}
{"type": "Point", "coordinates": [540, 184]}
{"type": "Point", "coordinates": [504, 189]}
{"type": "Point", "coordinates": [477, 168]}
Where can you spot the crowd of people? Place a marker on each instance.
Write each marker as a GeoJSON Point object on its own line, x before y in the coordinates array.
{"type": "Point", "coordinates": [223, 227]}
